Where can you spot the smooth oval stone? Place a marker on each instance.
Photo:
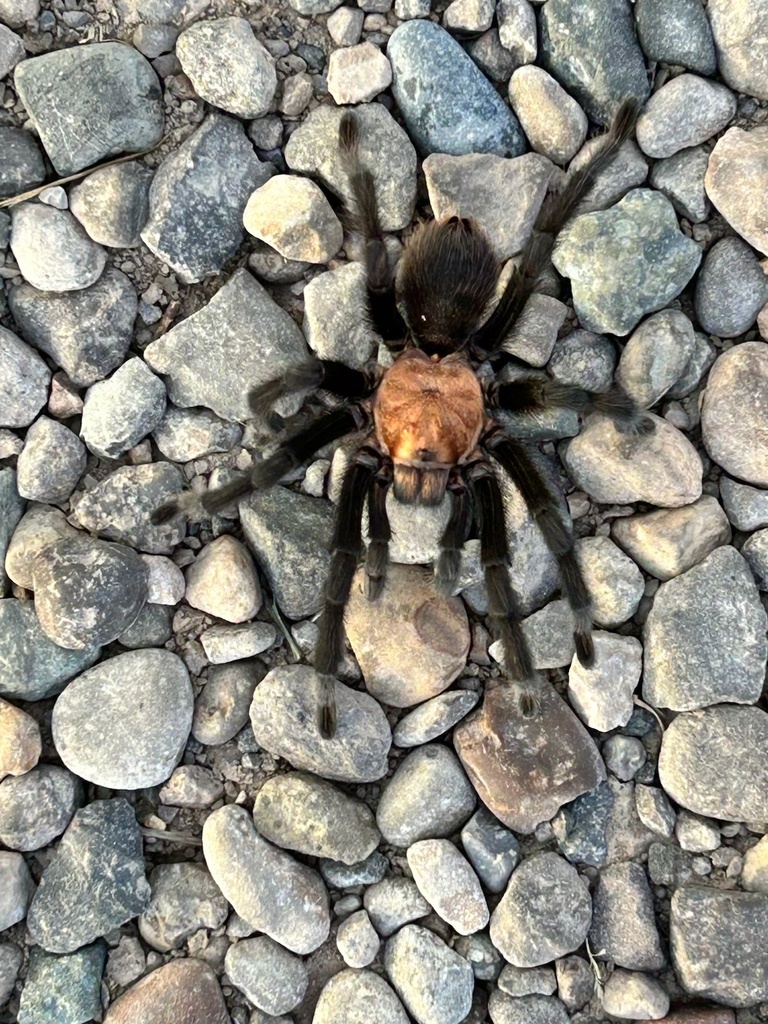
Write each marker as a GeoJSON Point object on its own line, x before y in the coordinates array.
{"type": "Point", "coordinates": [36, 530]}
{"type": "Point", "coordinates": [448, 883]}
{"type": "Point", "coordinates": [731, 288]}
{"type": "Point", "coordinates": [182, 991]}
{"type": "Point", "coordinates": [434, 982]}
{"type": "Point", "coordinates": [348, 997]}
{"type": "Point", "coordinates": [715, 762]}
{"type": "Point", "coordinates": [448, 104]}
{"type": "Point", "coordinates": [739, 28]}
{"type": "Point", "coordinates": [433, 718]}
{"type": "Point", "coordinates": [656, 356]}
{"type": "Point", "coordinates": [676, 32]}
{"type": "Point", "coordinates": [737, 182]}
{"type": "Point", "coordinates": [273, 979]}
{"type": "Point", "coordinates": [685, 112]}
{"type": "Point", "coordinates": [267, 887]}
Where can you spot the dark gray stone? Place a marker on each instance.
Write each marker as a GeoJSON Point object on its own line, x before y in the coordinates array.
{"type": "Point", "coordinates": [91, 102]}
{"type": "Point", "coordinates": [11, 511]}
{"type": "Point", "coordinates": [575, 981]}
{"type": "Point", "coordinates": [447, 103]}
{"type": "Point", "coordinates": [676, 32]}
{"type": "Point", "coordinates": [731, 288]}
{"type": "Point", "coordinates": [681, 179]}
{"type": "Point", "coordinates": [393, 902]}
{"type": "Point", "coordinates": [702, 357]}
{"type": "Point", "coordinates": [63, 988]}
{"type": "Point", "coordinates": [533, 1009]}
{"type": "Point", "coordinates": [184, 899]}
{"type": "Point", "coordinates": [492, 849]}
{"type": "Point", "coordinates": [95, 881]}
{"type": "Point", "coordinates": [434, 982]}
{"type": "Point", "coordinates": [755, 551]}
{"type": "Point", "coordinates": [198, 196]}
{"type": "Point", "coordinates": [24, 381]}
{"type": "Point", "coordinates": [273, 979]}
{"type": "Point", "coordinates": [580, 827]}
{"type": "Point", "coordinates": [36, 807]}
{"type": "Point", "coordinates": [112, 204]}
{"type": "Point", "coordinates": [119, 412]}
{"type": "Point", "coordinates": [493, 59]}
{"type": "Point", "coordinates": [22, 167]}
{"type": "Point", "coordinates": [583, 359]}
{"type": "Point", "coordinates": [623, 925]}
{"type": "Point", "coordinates": [152, 628]}
{"type": "Point", "coordinates": [746, 507]}
{"type": "Point", "coordinates": [345, 876]}
{"type": "Point", "coordinates": [735, 411]}
{"type": "Point", "coordinates": [52, 462]}
{"type": "Point", "coordinates": [11, 958]}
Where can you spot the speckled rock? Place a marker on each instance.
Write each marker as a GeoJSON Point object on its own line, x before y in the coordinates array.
{"type": "Point", "coordinates": [358, 73]}
{"type": "Point", "coordinates": [36, 807]}
{"type": "Point", "coordinates": [349, 996]}
{"type": "Point", "coordinates": [293, 216]}
{"type": "Point", "coordinates": [120, 411]}
{"type": "Point", "coordinates": [36, 530]}
{"type": "Point", "coordinates": [16, 890]}
{"type": "Point", "coordinates": [267, 974]}
{"type": "Point", "coordinates": [333, 326]}
{"type": "Point", "coordinates": [11, 512]}
{"type": "Point", "coordinates": [181, 990]}
{"type": "Point", "coordinates": [184, 899]}
{"type": "Point", "coordinates": [221, 709]}
{"type": "Point", "coordinates": [735, 412]}
{"type": "Point", "coordinates": [628, 170]}
{"type": "Point", "coordinates": [222, 581]}
{"type": "Point", "coordinates": [623, 924]}
{"type": "Point", "coordinates": [655, 357]}
{"type": "Point", "coordinates": [51, 463]}
{"type": "Point", "coordinates": [434, 982]}
{"type": "Point", "coordinates": [59, 988]}
{"type": "Point", "coordinates": [433, 718]}
{"type": "Point", "coordinates": [614, 582]}
{"type": "Point", "coordinates": [20, 743]}
{"type": "Point", "coordinates": [448, 883]}
{"type": "Point", "coordinates": [746, 507]}
{"type": "Point", "coordinates": [531, 1009]}
{"type": "Point", "coordinates": [738, 160]}
{"type": "Point", "coordinates": [636, 995]}
{"type": "Point", "coordinates": [602, 694]}
{"type": "Point", "coordinates": [676, 32]}
{"type": "Point", "coordinates": [681, 179]}
{"type": "Point", "coordinates": [493, 850]}
{"type": "Point", "coordinates": [24, 381]}
{"type": "Point", "coordinates": [517, 29]}
{"type": "Point", "coordinates": [685, 112]}
{"type": "Point", "coordinates": [736, 28]}
{"type": "Point", "coordinates": [112, 204]}
{"type": "Point", "coordinates": [393, 902]}
{"type": "Point", "coordinates": [755, 551]}
{"type": "Point", "coordinates": [186, 434]}
{"type": "Point", "coordinates": [24, 167]}
{"type": "Point", "coordinates": [552, 120]}
{"type": "Point", "coordinates": [225, 643]}
{"type": "Point", "coordinates": [731, 288]}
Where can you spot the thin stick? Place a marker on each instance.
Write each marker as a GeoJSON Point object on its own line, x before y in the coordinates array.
{"type": "Point", "coordinates": [641, 704]}
{"type": "Point", "coordinates": [171, 837]}
{"type": "Point", "coordinates": [274, 612]}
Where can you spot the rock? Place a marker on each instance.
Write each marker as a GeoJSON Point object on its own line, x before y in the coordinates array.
{"type": "Point", "coordinates": [545, 761]}
{"type": "Point", "coordinates": [446, 102]}
{"type": "Point", "coordinates": [144, 701]}
{"type": "Point", "coordinates": [384, 149]}
{"type": "Point", "coordinates": [32, 667]}
{"type": "Point", "coordinates": [37, 530]}
{"type": "Point", "coordinates": [746, 507]}
{"type": "Point", "coordinates": [493, 850]}
{"type": "Point", "coordinates": [166, 580]}
{"type": "Point", "coordinates": [11, 958]}
{"type": "Point", "coordinates": [23, 167]}
{"type": "Point", "coordinates": [734, 411]}
{"type": "Point", "coordinates": [284, 717]}
{"type": "Point", "coordinates": [16, 889]}
{"type": "Point", "coordinates": [11, 51]}
{"type": "Point", "coordinates": [448, 883]}
{"type": "Point", "coordinates": [606, 254]}
{"type": "Point", "coordinates": [357, 941]}
{"type": "Point", "coordinates": [754, 875]}
{"type": "Point", "coordinates": [112, 204]}
{"type": "Point", "coordinates": [636, 995]}
{"type": "Point", "coordinates": [614, 582]}
{"type": "Point", "coordinates": [300, 812]}
{"type": "Point", "coordinates": [504, 1009]}
{"type": "Point", "coordinates": [95, 881]}
{"type": "Point", "coordinates": [703, 357]}
{"type": "Point", "coordinates": [345, 26]}
{"type": "Point", "coordinates": [731, 288]}
{"type": "Point", "coordinates": [735, 28]}
{"type": "Point", "coordinates": [502, 195]}
{"type": "Point", "coordinates": [654, 810]}
{"type": "Point", "coordinates": [366, 872]}
{"type": "Point", "coordinates": [623, 924]}
{"type": "Point", "coordinates": [532, 339]}
{"type": "Point", "coordinates": [517, 30]}
{"type": "Point", "coordinates": [197, 199]}
{"type": "Point", "coordinates": [358, 73]}
{"type": "Point", "coordinates": [581, 827]}
{"type": "Point", "coordinates": [51, 463]}
{"type": "Point", "coordinates": [293, 216]}
{"type": "Point", "coordinates": [713, 762]}
{"type": "Point", "coordinates": [575, 982]}
{"type": "Point", "coordinates": [496, 62]}
{"type": "Point", "coordinates": [222, 581]}
{"type": "Point", "coordinates": [526, 981]}
{"type": "Point", "coordinates": [469, 16]}
{"type": "Point", "coordinates": [602, 694]}
{"type": "Point", "coordinates": [628, 169]}
{"type": "Point", "coordinates": [154, 40]}
{"type": "Point", "coordinates": [705, 637]}
{"type": "Point", "coordinates": [624, 756]}
{"type": "Point", "coordinates": [86, 332]}
{"type": "Point", "coordinates": [429, 796]}
{"type": "Point", "coordinates": [669, 542]}
{"type": "Point", "coordinates": [191, 785]}
{"type": "Point", "coordinates": [183, 435]}
{"type": "Point", "coordinates": [60, 988]}
{"type": "Point", "coordinates": [592, 51]}
{"type": "Point", "coordinates": [11, 511]}
{"type": "Point", "coordinates": [25, 379]}
{"type": "Point", "coordinates": [120, 411]}
{"type": "Point", "coordinates": [349, 996]}
{"type": "Point", "coordinates": [696, 835]}
{"type": "Point", "coordinates": [681, 179]}
{"type": "Point", "coordinates": [334, 325]}
{"type": "Point", "coordinates": [234, 343]}
{"type": "Point", "coordinates": [232, 643]}
{"type": "Point", "coordinates": [269, 976]}
{"type": "Point", "coordinates": [433, 718]}
{"type": "Point", "coordinates": [184, 899]}
{"type": "Point", "coordinates": [685, 112]}
{"type": "Point", "coordinates": [266, 886]}
{"type": "Point", "coordinates": [661, 468]}
{"type": "Point", "coordinates": [655, 357]}
{"type": "Point", "coordinates": [221, 709]}
{"type": "Point", "coordinates": [736, 173]}
{"type": "Point", "coordinates": [552, 120]}
{"type": "Point", "coordinates": [434, 982]}
{"type": "Point", "coordinates": [676, 33]}
{"type": "Point", "coordinates": [711, 942]}
{"type": "Point", "coordinates": [755, 551]}
{"type": "Point", "coordinates": [36, 807]}
{"type": "Point", "coordinates": [181, 990]}
{"type": "Point", "coordinates": [228, 66]}
{"type": "Point", "coordinates": [544, 913]}
{"type": "Point", "coordinates": [20, 743]}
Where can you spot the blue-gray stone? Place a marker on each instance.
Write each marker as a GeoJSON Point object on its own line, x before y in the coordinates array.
{"type": "Point", "coordinates": [22, 166]}
{"type": "Point", "coordinates": [676, 32]}
{"type": "Point", "coordinates": [580, 827]}
{"type": "Point", "coordinates": [63, 989]}
{"type": "Point", "coordinates": [731, 288]}
{"type": "Point", "coordinates": [448, 104]}
{"type": "Point", "coordinates": [11, 511]}
{"type": "Point", "coordinates": [590, 48]}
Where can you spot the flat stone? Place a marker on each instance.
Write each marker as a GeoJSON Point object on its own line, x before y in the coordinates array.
{"type": "Point", "coordinates": [221, 709]}
{"type": "Point", "coordinates": [184, 899]}
{"type": "Point", "coordinates": [333, 326]}
{"type": "Point", "coordinates": [120, 411]}
{"type": "Point", "coordinates": [735, 411]}
{"type": "Point", "coordinates": [544, 762]}
{"type": "Point", "coordinates": [655, 357]}
{"type": "Point", "coordinates": [623, 924]}
{"type": "Point", "coordinates": [681, 179]}
{"type": "Point", "coordinates": [269, 976]}
{"type": "Point", "coordinates": [602, 694]}
{"type": "Point", "coordinates": [676, 32]}
{"type": "Point", "coordinates": [267, 887]}
{"type": "Point", "coordinates": [527, 981]}
{"type": "Point", "coordinates": [746, 507]}
{"type": "Point", "coordinates": [448, 883]}
{"type": "Point", "coordinates": [493, 850]}
{"type": "Point", "coordinates": [655, 810]}
{"type": "Point", "coordinates": [434, 982]}
{"type": "Point", "coordinates": [713, 762]}
{"type": "Point", "coordinates": [635, 995]}
{"type": "Point", "coordinates": [685, 112]}
{"type": "Point", "coordinates": [191, 785]}
{"type": "Point", "coordinates": [181, 990]}
{"type": "Point", "coordinates": [358, 73]}
{"type": "Point", "coordinates": [292, 215]}
{"type": "Point", "coordinates": [393, 902]}
{"type": "Point", "coordinates": [20, 743]}
{"type": "Point", "coordinates": [36, 807]}
{"type": "Point", "coordinates": [735, 179]}
{"type": "Point", "coordinates": [504, 1009]}
{"type": "Point", "coordinates": [11, 512]}
{"type": "Point", "coordinates": [731, 288]}
{"type": "Point", "coordinates": [112, 204]}
{"type": "Point", "coordinates": [25, 380]}
{"type": "Point", "coordinates": [183, 435]}
{"type": "Point", "coordinates": [433, 718]}
{"type": "Point", "coordinates": [736, 27]}
{"type": "Point", "coordinates": [367, 872]}
{"type": "Point", "coordinates": [627, 170]}
{"type": "Point", "coordinates": [112, 103]}
{"type": "Point", "coordinates": [349, 996]}
{"type": "Point", "coordinates": [59, 988]}
{"type": "Point", "coordinates": [552, 120]}
{"type": "Point", "coordinates": [223, 644]}
{"type": "Point", "coordinates": [614, 582]}
{"type": "Point", "coordinates": [95, 881]}
{"type": "Point", "coordinates": [532, 339]}
{"type": "Point", "coordinates": [23, 167]}
{"type": "Point", "coordinates": [222, 581]}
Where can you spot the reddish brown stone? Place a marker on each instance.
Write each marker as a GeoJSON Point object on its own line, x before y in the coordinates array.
{"type": "Point", "coordinates": [525, 769]}
{"type": "Point", "coordinates": [181, 992]}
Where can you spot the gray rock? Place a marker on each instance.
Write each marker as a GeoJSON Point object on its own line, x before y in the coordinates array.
{"type": "Point", "coordinates": [334, 325]}
{"type": "Point", "coordinates": [152, 628]}
{"type": "Point", "coordinates": [735, 182]}
{"type": "Point", "coordinates": [705, 637]}
{"type": "Point", "coordinates": [36, 807]}
{"type": "Point", "coordinates": [635, 995]}
{"type": "Point", "coordinates": [95, 881]}
{"type": "Point", "coordinates": [345, 876]}
{"type": "Point", "coordinates": [191, 785]}
{"type": "Point", "coordinates": [695, 834]}
{"type": "Point", "coordinates": [517, 29]}
{"type": "Point", "coordinates": [676, 32]}
{"type": "Point", "coordinates": [183, 435]}
{"type": "Point", "coordinates": [731, 288]}
{"type": "Point", "coordinates": [493, 59]}
{"type": "Point", "coordinates": [292, 215]}
{"type": "Point", "coordinates": [532, 339]}
{"type": "Point", "coordinates": [493, 850]}
{"type": "Point", "coordinates": [394, 902]}
{"type": "Point", "coordinates": [11, 958]}
{"type": "Point", "coordinates": [23, 167]}
{"type": "Point", "coordinates": [300, 812]}
{"type": "Point", "coordinates": [754, 876]}
{"type": "Point", "coordinates": [222, 581]}
{"type": "Point", "coordinates": [87, 332]}
{"type": "Point", "coordinates": [37, 529]}
{"type": "Point", "coordinates": [448, 883]}
{"type": "Point", "coordinates": [681, 179]}
{"type": "Point", "coordinates": [624, 756]}
{"type": "Point", "coordinates": [434, 982]}
{"type": "Point", "coordinates": [553, 121]}
{"type": "Point", "coordinates": [703, 356]}
{"type": "Point", "coordinates": [736, 26]}
{"type": "Point", "coordinates": [87, 592]}
{"type": "Point", "coordinates": [154, 40]}
{"type": "Point", "coordinates": [746, 507]}
{"type": "Point", "coordinates": [384, 149]}
{"type": "Point", "coordinates": [627, 170]}
{"type": "Point", "coordinates": [349, 996]}
{"type": "Point", "coordinates": [504, 1009]}
{"type": "Point", "coordinates": [614, 582]}
{"type": "Point", "coordinates": [655, 810]}
{"type": "Point", "coordinates": [221, 709]}
{"type": "Point", "coordinates": [581, 827]}
{"type": "Point", "coordinates": [234, 343]}
{"type": "Point", "coordinates": [685, 112]}
{"type": "Point", "coordinates": [623, 924]}
{"type": "Point", "coordinates": [357, 941]}
{"type": "Point", "coordinates": [713, 762]}
{"type": "Point", "coordinates": [267, 974]}
{"type": "Point", "coordinates": [433, 718]}
{"type": "Point", "coordinates": [447, 103]}
{"type": "Point", "coordinates": [16, 889]}
{"type": "Point", "coordinates": [661, 468]}
{"type": "Point", "coordinates": [63, 988]}
{"type": "Point", "coordinates": [120, 411]}
{"type": "Point", "coordinates": [25, 379]}
{"type": "Point", "coordinates": [464, 16]}
{"type": "Point", "coordinates": [655, 357]}
{"type": "Point", "coordinates": [112, 204]}
{"type": "Point", "coordinates": [429, 796]}
{"type": "Point", "coordinates": [713, 948]}
{"type": "Point", "coordinates": [583, 359]}
{"type": "Point", "coordinates": [345, 26]}
{"type": "Point", "coordinates": [112, 103]}
{"type": "Point", "coordinates": [228, 66]}
{"type": "Point", "coordinates": [184, 899]}
{"type": "Point", "coordinates": [270, 265]}
{"type": "Point", "coordinates": [235, 642]}
{"type": "Point", "coordinates": [358, 73]}
{"type": "Point", "coordinates": [527, 981]}
{"type": "Point", "coordinates": [734, 410]}
{"type": "Point", "coordinates": [284, 717]}
{"type": "Point", "coordinates": [124, 723]}
{"type": "Point", "coordinates": [755, 551]}
{"type": "Point", "coordinates": [602, 694]}
{"type": "Point", "coordinates": [186, 987]}
{"type": "Point", "coordinates": [11, 511]}
{"type": "Point", "coordinates": [575, 982]}
{"type": "Point", "coordinates": [51, 463]}
{"type": "Point", "coordinates": [591, 49]}
{"type": "Point", "coordinates": [626, 261]}
{"type": "Point", "coordinates": [266, 886]}
{"type": "Point", "coordinates": [197, 198]}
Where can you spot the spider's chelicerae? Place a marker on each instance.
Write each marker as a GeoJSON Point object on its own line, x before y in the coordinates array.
{"type": "Point", "coordinates": [430, 425]}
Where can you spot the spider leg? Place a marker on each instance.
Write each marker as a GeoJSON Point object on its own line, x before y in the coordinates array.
{"type": "Point", "coordinates": [455, 534]}
{"type": "Point", "coordinates": [365, 216]}
{"type": "Point", "coordinates": [346, 549]}
{"type": "Point", "coordinates": [515, 460]}
{"type": "Point", "coordinates": [533, 395]}
{"type": "Point", "coordinates": [379, 533]}
{"type": "Point", "coordinates": [290, 454]}
{"type": "Point", "coordinates": [327, 374]}
{"type": "Point", "coordinates": [502, 605]}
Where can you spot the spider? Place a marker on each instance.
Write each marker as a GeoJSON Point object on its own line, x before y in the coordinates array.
{"type": "Point", "coordinates": [430, 423]}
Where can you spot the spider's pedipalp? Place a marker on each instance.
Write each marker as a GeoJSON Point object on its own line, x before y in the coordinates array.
{"type": "Point", "coordinates": [453, 538]}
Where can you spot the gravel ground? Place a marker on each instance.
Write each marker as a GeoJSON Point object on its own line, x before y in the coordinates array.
{"type": "Point", "coordinates": [177, 844]}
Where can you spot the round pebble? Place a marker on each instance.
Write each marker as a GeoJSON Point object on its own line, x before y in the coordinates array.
{"type": "Point", "coordinates": [53, 252]}
{"type": "Point", "coordinates": [685, 112]}
{"type": "Point", "coordinates": [635, 995]}
{"type": "Point", "coordinates": [51, 463]}
{"type": "Point", "coordinates": [448, 883]}
{"type": "Point", "coordinates": [735, 410]}
{"type": "Point", "coordinates": [20, 743]}
{"type": "Point", "coordinates": [222, 581]}
{"type": "Point", "coordinates": [357, 941]}
{"type": "Point", "coordinates": [553, 121]}
{"type": "Point", "coordinates": [273, 979]}
{"type": "Point", "coordinates": [655, 357]}
{"type": "Point", "coordinates": [358, 73]}
{"type": "Point", "coordinates": [737, 172]}
{"type": "Point", "coordinates": [349, 996]}
{"type": "Point", "coordinates": [433, 718]}
{"type": "Point", "coordinates": [221, 709]}
{"type": "Point", "coordinates": [731, 288]}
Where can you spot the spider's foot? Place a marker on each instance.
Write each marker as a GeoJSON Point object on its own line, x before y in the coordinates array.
{"type": "Point", "coordinates": [528, 700]}
{"type": "Point", "coordinates": [327, 721]}
{"type": "Point", "coordinates": [374, 586]}
{"type": "Point", "coordinates": [447, 572]}
{"type": "Point", "coordinates": [180, 504]}
{"type": "Point", "coordinates": [585, 647]}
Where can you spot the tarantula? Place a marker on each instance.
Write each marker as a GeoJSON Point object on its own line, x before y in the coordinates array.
{"type": "Point", "coordinates": [431, 426]}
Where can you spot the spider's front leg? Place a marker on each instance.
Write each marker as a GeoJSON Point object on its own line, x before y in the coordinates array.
{"type": "Point", "coordinates": [325, 374]}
